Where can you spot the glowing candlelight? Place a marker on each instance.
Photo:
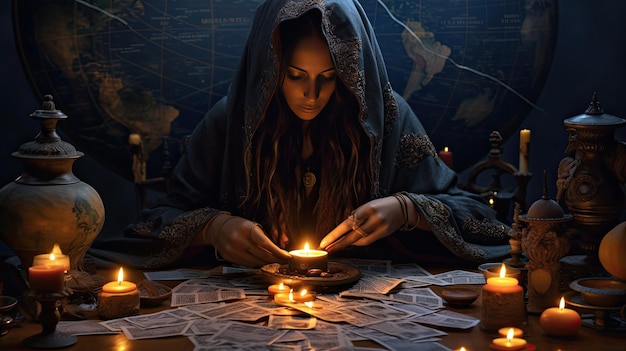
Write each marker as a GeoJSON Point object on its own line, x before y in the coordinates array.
{"type": "Point", "coordinates": [120, 286]}
{"type": "Point", "coordinates": [278, 288]}
{"type": "Point", "coordinates": [508, 343]}
{"type": "Point", "coordinates": [446, 156]}
{"type": "Point", "coordinates": [560, 321]}
{"type": "Point", "coordinates": [118, 299]}
{"type": "Point", "coordinates": [304, 296]}
{"type": "Point", "coordinates": [306, 259]}
{"type": "Point", "coordinates": [54, 258]}
{"type": "Point", "coordinates": [503, 302]}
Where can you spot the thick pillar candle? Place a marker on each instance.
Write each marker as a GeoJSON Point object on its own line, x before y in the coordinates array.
{"type": "Point", "coordinates": [502, 303]}
{"type": "Point", "coordinates": [46, 279]}
{"type": "Point", "coordinates": [118, 299]}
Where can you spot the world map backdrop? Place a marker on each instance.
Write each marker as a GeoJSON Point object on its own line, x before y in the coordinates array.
{"type": "Point", "coordinates": [155, 67]}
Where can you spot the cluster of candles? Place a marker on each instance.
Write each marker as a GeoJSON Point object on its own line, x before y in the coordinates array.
{"type": "Point", "coordinates": [284, 294]}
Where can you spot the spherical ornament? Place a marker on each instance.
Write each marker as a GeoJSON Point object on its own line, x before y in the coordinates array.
{"type": "Point", "coordinates": [611, 251]}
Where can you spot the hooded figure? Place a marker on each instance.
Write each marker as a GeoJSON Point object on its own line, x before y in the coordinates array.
{"type": "Point", "coordinates": [258, 165]}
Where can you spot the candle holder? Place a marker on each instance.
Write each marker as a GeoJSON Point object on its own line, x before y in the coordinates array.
{"type": "Point", "coordinates": [495, 190]}
{"type": "Point", "coordinates": [49, 338]}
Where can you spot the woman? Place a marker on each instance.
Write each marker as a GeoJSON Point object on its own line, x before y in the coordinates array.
{"type": "Point", "coordinates": [312, 145]}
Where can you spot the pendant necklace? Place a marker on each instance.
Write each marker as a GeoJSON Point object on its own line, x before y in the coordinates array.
{"type": "Point", "coordinates": [309, 179]}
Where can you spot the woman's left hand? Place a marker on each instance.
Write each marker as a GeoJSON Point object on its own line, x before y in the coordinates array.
{"type": "Point", "coordinates": [371, 221]}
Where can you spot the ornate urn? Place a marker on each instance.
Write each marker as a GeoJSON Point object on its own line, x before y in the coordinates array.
{"type": "Point", "coordinates": [591, 175]}
{"type": "Point", "coordinates": [47, 204]}
{"type": "Point", "coordinates": [545, 240]}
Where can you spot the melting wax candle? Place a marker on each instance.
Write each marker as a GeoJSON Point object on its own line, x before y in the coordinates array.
{"type": "Point", "coordinates": [503, 302]}
{"type": "Point", "coordinates": [120, 286]}
{"type": "Point", "coordinates": [118, 299]}
{"type": "Point", "coordinates": [560, 321]}
{"type": "Point", "coordinates": [54, 258]}
{"type": "Point", "coordinates": [306, 259]}
{"type": "Point", "coordinates": [510, 343]}
{"type": "Point", "coordinates": [278, 288]}
{"type": "Point", "coordinates": [304, 296]}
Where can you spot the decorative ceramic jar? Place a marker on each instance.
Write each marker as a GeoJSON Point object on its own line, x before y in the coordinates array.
{"type": "Point", "coordinates": [591, 176]}
{"type": "Point", "coordinates": [47, 204]}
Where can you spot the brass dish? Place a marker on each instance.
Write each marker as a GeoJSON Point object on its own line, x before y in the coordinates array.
{"type": "Point", "coordinates": [342, 275]}
{"type": "Point", "coordinates": [599, 291]}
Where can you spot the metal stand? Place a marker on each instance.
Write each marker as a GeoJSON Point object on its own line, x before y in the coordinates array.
{"type": "Point", "coordinates": [49, 317]}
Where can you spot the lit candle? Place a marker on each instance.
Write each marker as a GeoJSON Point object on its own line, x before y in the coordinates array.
{"type": "Point", "coordinates": [54, 258]}
{"type": "Point", "coordinates": [45, 278]}
{"type": "Point", "coordinates": [503, 302]}
{"type": "Point", "coordinates": [517, 332]}
{"type": "Point", "coordinates": [462, 348]}
{"type": "Point", "coordinates": [118, 299]}
{"type": "Point", "coordinates": [120, 286]}
{"type": "Point", "coordinates": [306, 259]}
{"type": "Point", "coordinates": [284, 298]}
{"type": "Point", "coordinates": [560, 321]}
{"type": "Point", "coordinates": [304, 296]}
{"type": "Point", "coordinates": [446, 156]}
{"type": "Point", "coordinates": [524, 148]}
{"type": "Point", "coordinates": [278, 288]}
{"type": "Point", "coordinates": [509, 343]}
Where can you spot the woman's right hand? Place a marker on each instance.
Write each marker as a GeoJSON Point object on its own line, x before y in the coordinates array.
{"type": "Point", "coordinates": [243, 242]}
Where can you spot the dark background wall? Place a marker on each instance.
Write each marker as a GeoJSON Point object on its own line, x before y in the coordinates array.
{"type": "Point", "coordinates": [589, 57]}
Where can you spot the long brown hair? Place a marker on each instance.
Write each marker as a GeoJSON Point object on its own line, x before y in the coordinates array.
{"type": "Point", "coordinates": [345, 173]}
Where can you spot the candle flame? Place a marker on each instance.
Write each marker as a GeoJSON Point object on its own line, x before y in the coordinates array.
{"type": "Point", "coordinates": [303, 292]}
{"type": "Point", "coordinates": [445, 149]}
{"type": "Point", "coordinates": [503, 271]}
{"type": "Point", "coordinates": [309, 304]}
{"type": "Point", "coordinates": [562, 304]}
{"type": "Point", "coordinates": [291, 295]}
{"type": "Point", "coordinates": [462, 348]}
{"type": "Point", "coordinates": [52, 257]}
{"type": "Point", "coordinates": [120, 276]}
{"type": "Point", "coordinates": [306, 249]}
{"type": "Point", "coordinates": [510, 334]}
{"type": "Point", "coordinates": [281, 286]}
{"type": "Point", "coordinates": [491, 201]}
{"type": "Point", "coordinates": [57, 250]}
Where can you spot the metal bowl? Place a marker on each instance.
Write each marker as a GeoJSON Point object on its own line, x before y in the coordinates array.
{"type": "Point", "coordinates": [599, 291]}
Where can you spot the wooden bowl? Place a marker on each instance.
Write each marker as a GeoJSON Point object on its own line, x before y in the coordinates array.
{"type": "Point", "coordinates": [459, 296]}
{"type": "Point", "coordinates": [152, 293]}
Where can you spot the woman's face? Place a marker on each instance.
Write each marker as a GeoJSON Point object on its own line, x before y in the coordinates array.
{"type": "Point", "coordinates": [310, 78]}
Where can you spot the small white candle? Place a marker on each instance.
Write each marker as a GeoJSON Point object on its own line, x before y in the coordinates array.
{"type": "Point", "coordinates": [524, 150]}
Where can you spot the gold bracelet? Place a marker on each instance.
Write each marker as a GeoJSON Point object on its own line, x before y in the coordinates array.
{"type": "Point", "coordinates": [405, 211]}
{"type": "Point", "coordinates": [406, 224]}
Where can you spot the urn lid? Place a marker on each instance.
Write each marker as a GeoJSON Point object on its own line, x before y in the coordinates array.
{"type": "Point", "coordinates": [47, 143]}
{"type": "Point", "coordinates": [545, 209]}
{"type": "Point", "coordinates": [594, 116]}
